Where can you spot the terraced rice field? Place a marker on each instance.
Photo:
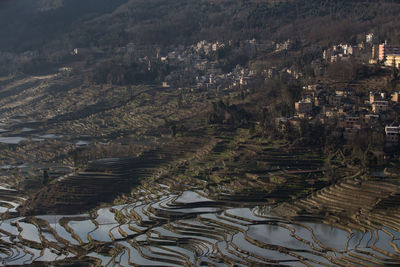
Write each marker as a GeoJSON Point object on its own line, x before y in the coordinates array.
{"type": "Point", "coordinates": [353, 223]}
{"type": "Point", "coordinates": [10, 199]}
{"type": "Point", "coordinates": [212, 208]}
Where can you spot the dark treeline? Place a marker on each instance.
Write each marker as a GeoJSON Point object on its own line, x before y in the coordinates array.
{"type": "Point", "coordinates": [114, 23]}
{"type": "Point", "coordinates": [32, 25]}
{"type": "Point", "coordinates": [169, 22]}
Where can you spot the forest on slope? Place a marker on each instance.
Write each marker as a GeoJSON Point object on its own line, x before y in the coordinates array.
{"type": "Point", "coordinates": [57, 24]}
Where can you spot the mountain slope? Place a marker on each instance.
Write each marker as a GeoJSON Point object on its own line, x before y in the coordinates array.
{"type": "Point", "coordinates": [27, 24]}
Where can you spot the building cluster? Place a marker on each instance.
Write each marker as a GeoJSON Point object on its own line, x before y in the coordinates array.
{"type": "Point", "coordinates": [389, 55]}
{"type": "Point", "coordinates": [286, 45]}
{"type": "Point", "coordinates": [339, 52]}
{"type": "Point", "coordinates": [351, 112]}
{"type": "Point", "coordinates": [196, 67]}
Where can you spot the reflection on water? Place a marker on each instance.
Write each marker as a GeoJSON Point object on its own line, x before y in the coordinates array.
{"type": "Point", "coordinates": [165, 229]}
{"type": "Point", "coordinates": [26, 129]}
{"type": "Point", "coordinates": [51, 136]}
{"type": "Point", "coordinates": [12, 140]}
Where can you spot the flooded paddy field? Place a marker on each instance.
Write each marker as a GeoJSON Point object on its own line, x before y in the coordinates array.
{"type": "Point", "coordinates": [168, 220]}
{"type": "Point", "coordinates": [174, 209]}
{"type": "Point", "coordinates": [205, 197]}
{"type": "Point", "coordinates": [159, 227]}
{"type": "Point", "coordinates": [199, 202]}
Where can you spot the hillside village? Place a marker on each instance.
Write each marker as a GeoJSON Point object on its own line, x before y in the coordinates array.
{"type": "Point", "coordinates": [347, 111]}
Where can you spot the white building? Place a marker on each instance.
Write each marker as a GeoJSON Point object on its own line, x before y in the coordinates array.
{"type": "Point", "coordinates": [392, 135]}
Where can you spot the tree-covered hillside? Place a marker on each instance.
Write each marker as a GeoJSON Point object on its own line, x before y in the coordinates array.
{"type": "Point", "coordinates": [31, 24]}
{"type": "Point", "coordinates": [187, 21]}
{"type": "Point", "coordinates": [28, 24]}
